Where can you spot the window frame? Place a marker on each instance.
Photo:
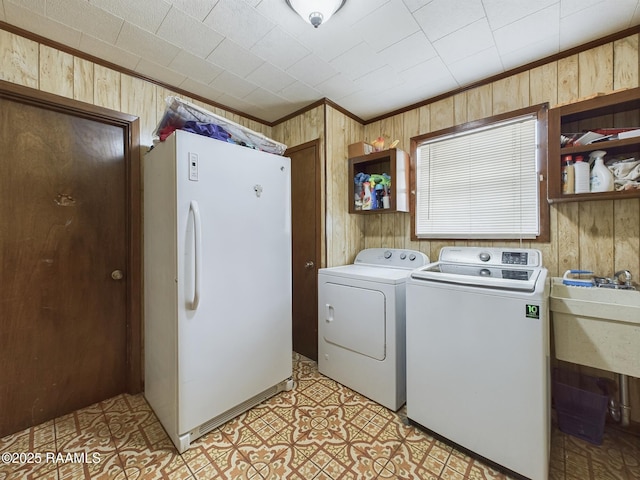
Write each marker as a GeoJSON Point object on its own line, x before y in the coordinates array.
{"type": "Point", "coordinates": [541, 112]}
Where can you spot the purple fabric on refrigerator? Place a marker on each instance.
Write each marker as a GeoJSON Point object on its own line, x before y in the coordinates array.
{"type": "Point", "coordinates": [206, 129]}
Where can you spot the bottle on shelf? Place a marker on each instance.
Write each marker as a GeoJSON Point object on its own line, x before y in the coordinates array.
{"type": "Point", "coordinates": [581, 172]}
{"type": "Point", "coordinates": [568, 175]}
{"type": "Point", "coordinates": [601, 179]}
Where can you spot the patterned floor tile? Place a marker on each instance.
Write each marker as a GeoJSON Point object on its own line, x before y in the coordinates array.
{"type": "Point", "coordinates": [134, 428]}
{"type": "Point", "coordinates": [154, 463]}
{"type": "Point", "coordinates": [103, 467]}
{"type": "Point", "coordinates": [231, 465]}
{"type": "Point", "coordinates": [37, 466]}
{"type": "Point", "coordinates": [320, 430]}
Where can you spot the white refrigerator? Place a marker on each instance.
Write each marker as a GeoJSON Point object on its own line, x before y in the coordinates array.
{"type": "Point", "coordinates": [217, 282]}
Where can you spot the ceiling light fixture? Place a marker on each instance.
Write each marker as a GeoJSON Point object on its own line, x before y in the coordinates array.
{"type": "Point", "coordinates": [315, 11]}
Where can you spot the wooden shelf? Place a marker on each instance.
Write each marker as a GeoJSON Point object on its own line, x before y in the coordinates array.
{"type": "Point", "coordinates": [395, 163]}
{"type": "Point", "coordinates": [617, 110]}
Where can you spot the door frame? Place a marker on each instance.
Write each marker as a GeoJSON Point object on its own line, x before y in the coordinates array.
{"type": "Point", "coordinates": [133, 216]}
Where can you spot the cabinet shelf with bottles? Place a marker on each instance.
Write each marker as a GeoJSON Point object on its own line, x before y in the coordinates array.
{"type": "Point", "coordinates": [392, 162]}
{"type": "Point", "coordinates": [616, 111]}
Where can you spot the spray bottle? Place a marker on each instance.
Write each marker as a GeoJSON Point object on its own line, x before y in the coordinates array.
{"type": "Point", "coordinates": [601, 179]}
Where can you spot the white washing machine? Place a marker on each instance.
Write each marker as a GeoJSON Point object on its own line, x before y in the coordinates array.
{"type": "Point", "coordinates": [478, 354]}
{"type": "Point", "coordinates": [361, 323]}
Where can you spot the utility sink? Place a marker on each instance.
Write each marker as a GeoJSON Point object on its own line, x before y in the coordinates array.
{"type": "Point", "coordinates": [598, 327]}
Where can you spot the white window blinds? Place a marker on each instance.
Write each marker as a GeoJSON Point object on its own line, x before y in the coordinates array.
{"type": "Point", "coordinates": [482, 183]}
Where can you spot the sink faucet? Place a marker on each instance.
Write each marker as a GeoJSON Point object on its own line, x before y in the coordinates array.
{"type": "Point", "coordinates": [626, 277]}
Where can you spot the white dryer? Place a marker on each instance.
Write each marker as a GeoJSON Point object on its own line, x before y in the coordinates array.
{"type": "Point", "coordinates": [361, 323]}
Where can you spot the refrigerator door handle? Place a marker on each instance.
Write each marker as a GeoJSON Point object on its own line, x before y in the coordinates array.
{"type": "Point", "coordinates": [193, 207]}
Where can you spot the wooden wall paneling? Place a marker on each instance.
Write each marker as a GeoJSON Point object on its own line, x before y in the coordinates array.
{"type": "Point", "coordinates": [543, 84]}
{"type": "Point", "coordinates": [56, 71]}
{"type": "Point", "coordinates": [280, 131]}
{"type": "Point", "coordinates": [392, 228]}
{"type": "Point", "coordinates": [460, 108]}
{"type": "Point", "coordinates": [424, 126]}
{"type": "Point", "coordinates": [354, 132]}
{"type": "Point", "coordinates": [511, 93]}
{"type": "Point", "coordinates": [596, 70]}
{"type": "Point", "coordinates": [106, 88]}
{"type": "Point", "coordinates": [320, 132]}
{"type": "Point", "coordinates": [83, 80]}
{"type": "Point", "coordinates": [258, 127]}
{"type": "Point", "coordinates": [372, 227]}
{"type": "Point", "coordinates": [568, 237]}
{"type": "Point", "coordinates": [372, 224]}
{"type": "Point", "coordinates": [402, 220]}
{"type": "Point", "coordinates": [434, 248]}
{"type": "Point", "coordinates": [301, 129]}
{"type": "Point", "coordinates": [568, 88]}
{"type": "Point", "coordinates": [336, 192]}
{"type": "Point", "coordinates": [634, 396]}
{"type": "Point", "coordinates": [292, 130]}
{"type": "Point", "coordinates": [626, 227]}
{"type": "Point", "coordinates": [313, 125]}
{"type": "Point", "coordinates": [550, 249]}
{"type": "Point", "coordinates": [389, 234]}
{"type": "Point", "coordinates": [19, 58]}
{"type": "Point", "coordinates": [411, 128]}
{"type": "Point", "coordinates": [396, 131]}
{"type": "Point", "coordinates": [372, 131]}
{"type": "Point", "coordinates": [424, 114]}
{"type": "Point", "coordinates": [596, 236]}
{"type": "Point", "coordinates": [137, 95]}
{"type": "Point", "coordinates": [372, 231]}
{"type": "Point", "coordinates": [442, 114]}
{"type": "Point", "coordinates": [344, 247]}
{"type": "Point", "coordinates": [625, 62]}
{"type": "Point", "coordinates": [479, 103]}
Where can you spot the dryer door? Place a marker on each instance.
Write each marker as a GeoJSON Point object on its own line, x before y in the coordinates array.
{"type": "Point", "coordinates": [353, 318]}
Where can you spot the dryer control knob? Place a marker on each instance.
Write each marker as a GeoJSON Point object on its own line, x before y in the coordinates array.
{"type": "Point", "coordinates": [387, 254]}
{"type": "Point", "coordinates": [484, 256]}
{"type": "Point", "coordinates": [412, 257]}
{"type": "Point", "coordinates": [403, 256]}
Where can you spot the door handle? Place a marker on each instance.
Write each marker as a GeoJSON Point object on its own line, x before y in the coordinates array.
{"type": "Point", "coordinates": [193, 207]}
{"type": "Point", "coordinates": [117, 275]}
{"type": "Point", "coordinates": [309, 265]}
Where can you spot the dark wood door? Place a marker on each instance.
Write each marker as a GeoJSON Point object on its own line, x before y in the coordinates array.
{"type": "Point", "coordinates": [63, 276]}
{"type": "Point", "coordinates": [305, 220]}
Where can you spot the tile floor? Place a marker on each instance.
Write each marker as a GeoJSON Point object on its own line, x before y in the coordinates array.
{"type": "Point", "coordinates": [319, 430]}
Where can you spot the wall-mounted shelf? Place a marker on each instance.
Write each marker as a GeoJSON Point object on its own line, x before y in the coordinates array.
{"type": "Point", "coordinates": [617, 110]}
{"type": "Point", "coordinates": [393, 162]}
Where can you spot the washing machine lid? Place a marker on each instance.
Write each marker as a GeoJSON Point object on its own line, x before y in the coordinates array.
{"type": "Point", "coordinates": [505, 269]}
{"type": "Point", "coordinates": [368, 273]}
{"type": "Point", "coordinates": [479, 276]}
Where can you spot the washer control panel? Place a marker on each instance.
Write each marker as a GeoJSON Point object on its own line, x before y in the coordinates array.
{"type": "Point", "coordinates": [392, 257]}
{"type": "Point", "coordinates": [522, 257]}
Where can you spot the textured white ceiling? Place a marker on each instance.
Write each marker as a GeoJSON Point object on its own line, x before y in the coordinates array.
{"type": "Point", "coordinates": [372, 57]}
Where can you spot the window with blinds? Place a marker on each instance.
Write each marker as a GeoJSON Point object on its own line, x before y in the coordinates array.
{"type": "Point", "coordinates": [480, 183]}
